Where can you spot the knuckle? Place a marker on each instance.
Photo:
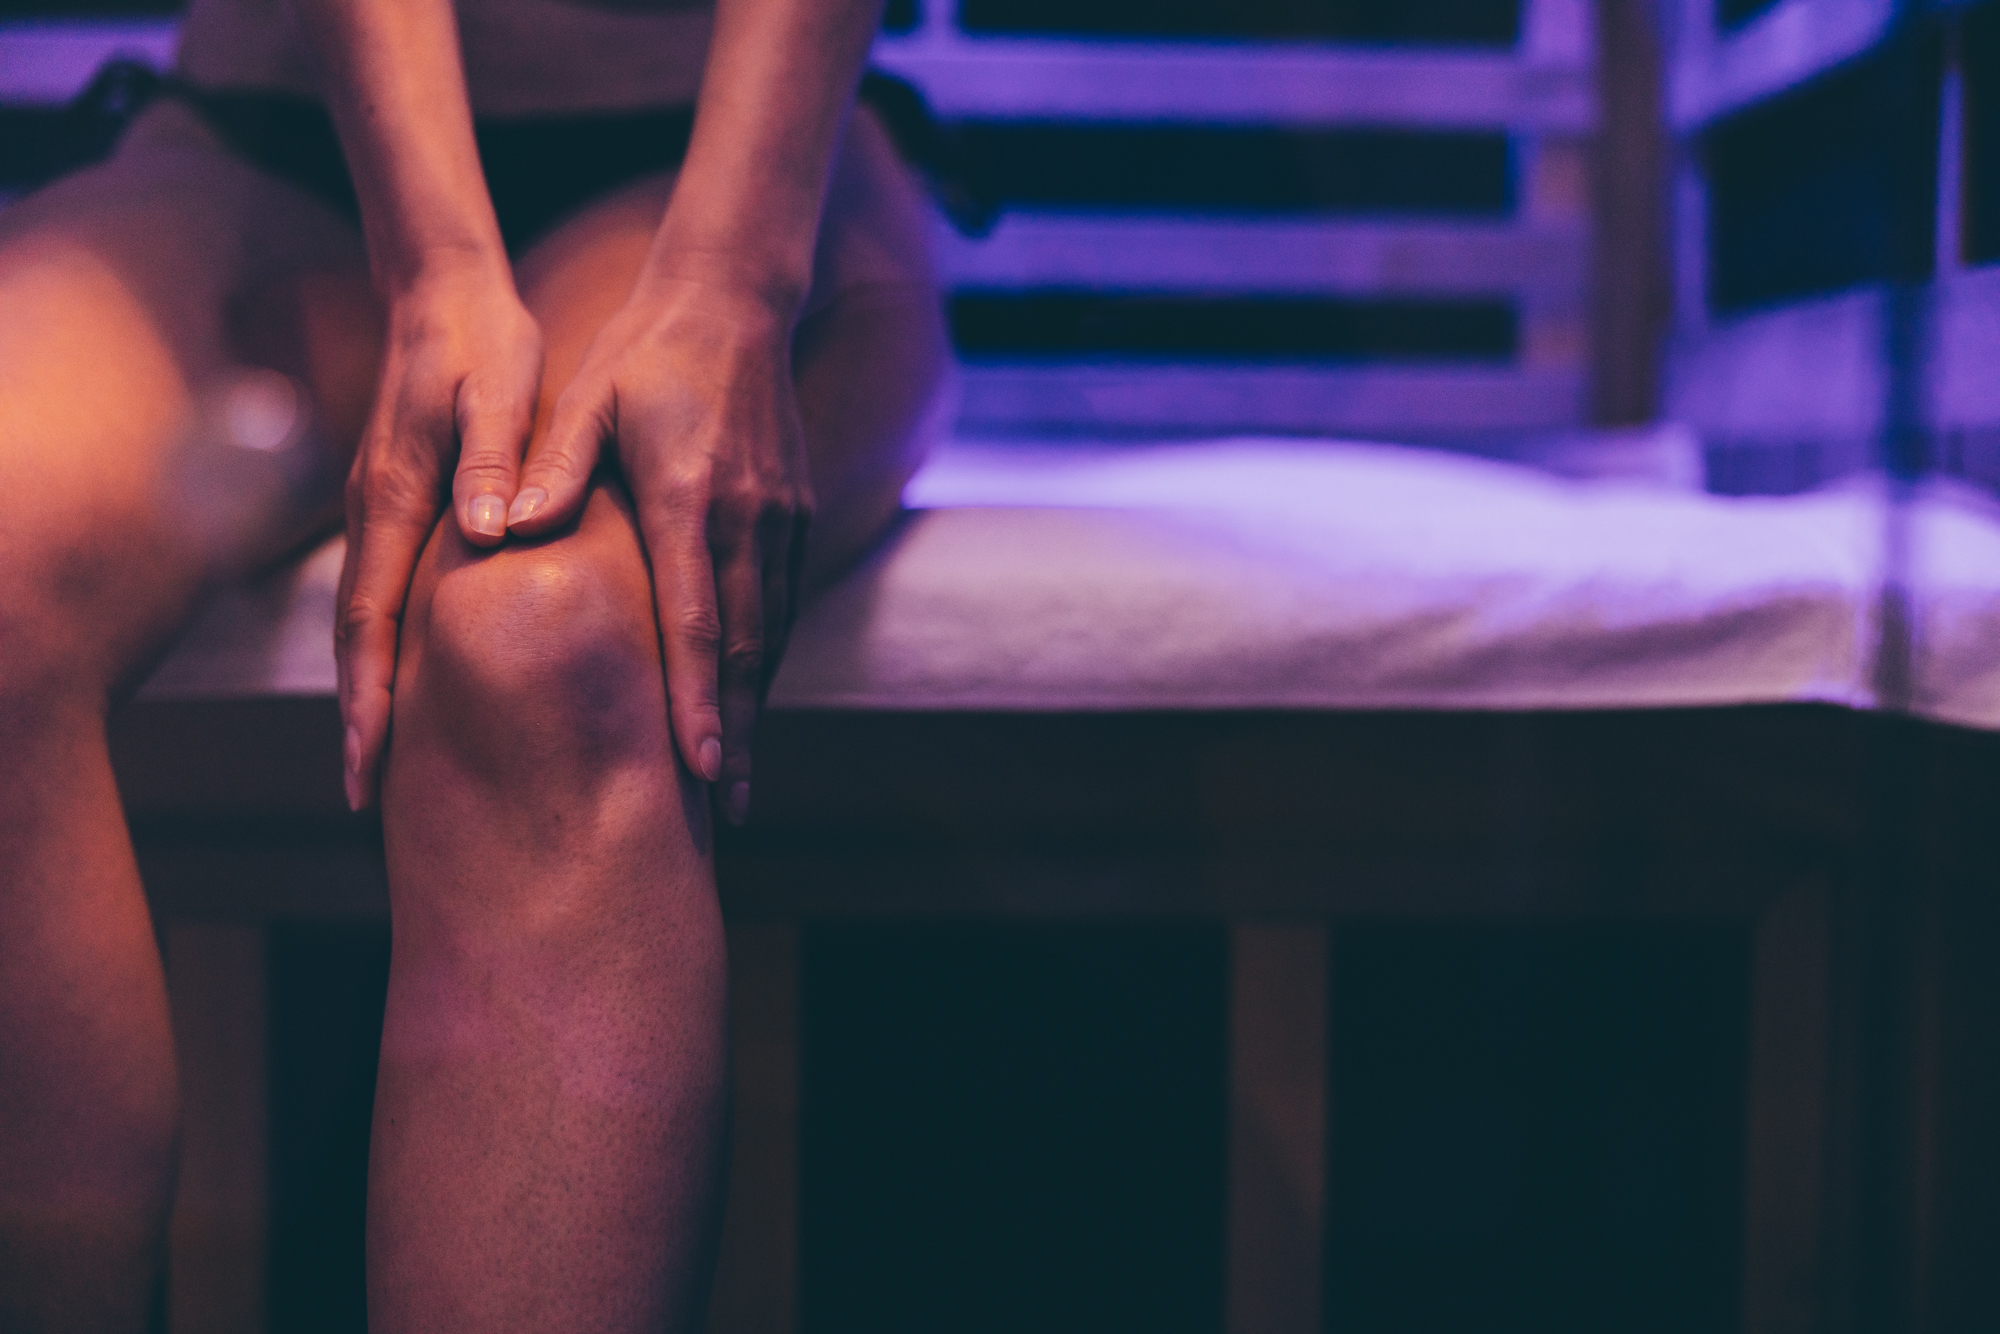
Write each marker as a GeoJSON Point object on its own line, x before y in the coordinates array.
{"type": "Point", "coordinates": [552, 461]}
{"type": "Point", "coordinates": [386, 483]}
{"type": "Point", "coordinates": [350, 625]}
{"type": "Point", "coordinates": [744, 659]}
{"type": "Point", "coordinates": [740, 512]}
{"type": "Point", "coordinates": [699, 629]}
{"type": "Point", "coordinates": [481, 395]}
{"type": "Point", "coordinates": [688, 482]}
{"type": "Point", "coordinates": [581, 407]}
{"type": "Point", "coordinates": [675, 514]}
{"type": "Point", "coordinates": [739, 495]}
{"type": "Point", "coordinates": [362, 622]}
{"type": "Point", "coordinates": [487, 466]}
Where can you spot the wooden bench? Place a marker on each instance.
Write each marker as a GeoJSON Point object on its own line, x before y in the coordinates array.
{"type": "Point", "coordinates": [954, 739]}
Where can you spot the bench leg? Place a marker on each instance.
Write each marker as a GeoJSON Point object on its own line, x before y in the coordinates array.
{"type": "Point", "coordinates": [1277, 1127]}
{"type": "Point", "coordinates": [216, 1239]}
{"type": "Point", "coordinates": [1786, 1134]}
{"type": "Point", "coordinates": [756, 1281]}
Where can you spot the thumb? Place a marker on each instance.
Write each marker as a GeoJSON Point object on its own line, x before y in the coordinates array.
{"type": "Point", "coordinates": [557, 472]}
{"type": "Point", "coordinates": [490, 437]}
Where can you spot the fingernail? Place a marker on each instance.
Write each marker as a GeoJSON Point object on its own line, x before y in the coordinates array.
{"type": "Point", "coordinates": [532, 498]}
{"type": "Point", "coordinates": [489, 516]}
{"type": "Point", "coordinates": [711, 760]}
{"type": "Point", "coordinates": [739, 803]}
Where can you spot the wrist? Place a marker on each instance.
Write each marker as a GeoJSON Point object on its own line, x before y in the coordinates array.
{"type": "Point", "coordinates": [445, 291]}
{"type": "Point", "coordinates": [412, 274]}
{"type": "Point", "coordinates": [759, 285]}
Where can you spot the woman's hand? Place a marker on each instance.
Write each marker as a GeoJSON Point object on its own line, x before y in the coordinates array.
{"type": "Point", "coordinates": [689, 389]}
{"type": "Point", "coordinates": [452, 414]}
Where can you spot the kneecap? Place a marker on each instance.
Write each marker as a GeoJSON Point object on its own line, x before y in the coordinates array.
{"type": "Point", "coordinates": [530, 657]}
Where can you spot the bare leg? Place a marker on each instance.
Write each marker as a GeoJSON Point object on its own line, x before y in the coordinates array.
{"type": "Point", "coordinates": [551, 1091]}
{"type": "Point", "coordinates": [548, 1126]}
{"type": "Point", "coordinates": [115, 297]}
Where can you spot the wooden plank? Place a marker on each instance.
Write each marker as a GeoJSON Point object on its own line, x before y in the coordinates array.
{"type": "Point", "coordinates": [756, 1283]}
{"type": "Point", "coordinates": [1105, 877]}
{"type": "Point", "coordinates": [238, 876]}
{"type": "Point", "coordinates": [1345, 257]}
{"type": "Point", "coordinates": [1558, 33]}
{"type": "Point", "coordinates": [1813, 370]}
{"type": "Point", "coordinates": [1716, 73]}
{"type": "Point", "coordinates": [1391, 401]}
{"type": "Point", "coordinates": [1429, 786]}
{"type": "Point", "coordinates": [1809, 371]}
{"type": "Point", "coordinates": [1098, 882]}
{"type": "Point", "coordinates": [217, 1237]}
{"type": "Point", "coordinates": [1556, 183]}
{"type": "Point", "coordinates": [965, 76]}
{"type": "Point", "coordinates": [1277, 1127]}
{"type": "Point", "coordinates": [1243, 83]}
{"type": "Point", "coordinates": [46, 62]}
{"type": "Point", "coordinates": [1631, 290]}
{"type": "Point", "coordinates": [1966, 341]}
{"type": "Point", "coordinates": [1785, 1138]}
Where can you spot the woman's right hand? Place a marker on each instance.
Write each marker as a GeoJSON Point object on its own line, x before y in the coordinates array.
{"type": "Point", "coordinates": [453, 409]}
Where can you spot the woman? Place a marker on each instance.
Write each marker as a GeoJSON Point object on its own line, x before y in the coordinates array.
{"type": "Point", "coordinates": [586, 432]}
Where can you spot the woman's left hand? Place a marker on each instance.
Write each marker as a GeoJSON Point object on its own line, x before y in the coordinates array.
{"type": "Point", "coordinates": [689, 389]}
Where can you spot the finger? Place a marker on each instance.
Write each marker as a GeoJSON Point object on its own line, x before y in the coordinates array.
{"type": "Point", "coordinates": [690, 630]}
{"type": "Point", "coordinates": [493, 416]}
{"type": "Point", "coordinates": [740, 586]}
{"type": "Point", "coordinates": [556, 477]}
{"type": "Point", "coordinates": [350, 732]}
{"type": "Point", "coordinates": [780, 596]}
{"type": "Point", "coordinates": [391, 514]}
{"type": "Point", "coordinates": [795, 566]}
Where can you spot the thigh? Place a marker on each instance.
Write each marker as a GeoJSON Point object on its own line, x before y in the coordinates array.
{"type": "Point", "coordinates": [870, 355]}
{"type": "Point", "coordinates": [128, 289]}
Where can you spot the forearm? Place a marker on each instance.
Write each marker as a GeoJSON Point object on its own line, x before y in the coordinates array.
{"type": "Point", "coordinates": [395, 86]}
{"type": "Point", "coordinates": [780, 77]}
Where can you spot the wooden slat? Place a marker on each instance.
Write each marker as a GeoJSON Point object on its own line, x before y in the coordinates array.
{"type": "Point", "coordinates": [44, 62]}
{"type": "Point", "coordinates": [1390, 401]}
{"type": "Point", "coordinates": [1814, 370]}
{"type": "Point", "coordinates": [1716, 73]}
{"type": "Point", "coordinates": [1785, 1138]}
{"type": "Point", "coordinates": [1631, 290]}
{"type": "Point", "coordinates": [1366, 787]}
{"type": "Point", "coordinates": [1277, 1127]}
{"type": "Point", "coordinates": [1245, 256]}
{"type": "Point", "coordinates": [756, 1284]}
{"type": "Point", "coordinates": [1965, 391]}
{"type": "Point", "coordinates": [964, 76]}
{"type": "Point", "coordinates": [216, 1246]}
{"type": "Point", "coordinates": [1558, 33]}
{"type": "Point", "coordinates": [1091, 884]}
{"type": "Point", "coordinates": [1810, 371]}
{"type": "Point", "coordinates": [1242, 83]}
{"type": "Point", "coordinates": [239, 875]}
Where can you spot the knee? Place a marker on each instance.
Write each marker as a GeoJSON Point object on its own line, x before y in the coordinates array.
{"type": "Point", "coordinates": [53, 674]}
{"type": "Point", "coordinates": [92, 594]}
{"type": "Point", "coordinates": [535, 658]}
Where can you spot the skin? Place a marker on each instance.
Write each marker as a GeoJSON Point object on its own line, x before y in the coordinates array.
{"type": "Point", "coordinates": [547, 1131]}
{"type": "Point", "coordinates": [685, 386]}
